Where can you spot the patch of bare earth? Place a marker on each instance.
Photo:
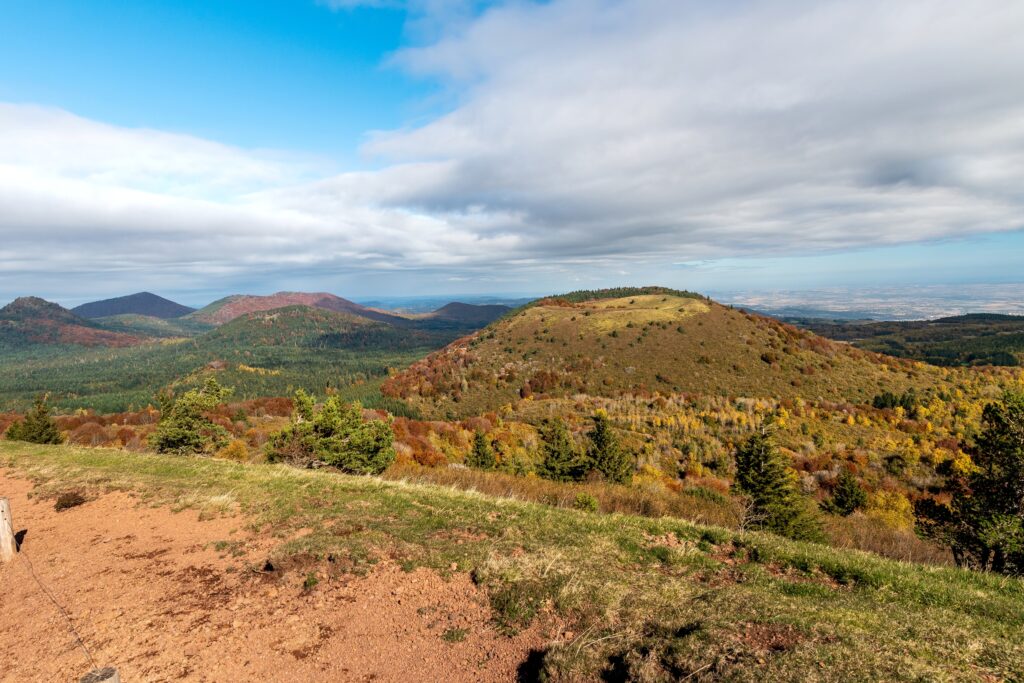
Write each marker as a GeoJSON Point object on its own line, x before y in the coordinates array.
{"type": "Point", "coordinates": [151, 594]}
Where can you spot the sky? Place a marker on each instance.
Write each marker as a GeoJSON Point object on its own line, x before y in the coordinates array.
{"type": "Point", "coordinates": [198, 148]}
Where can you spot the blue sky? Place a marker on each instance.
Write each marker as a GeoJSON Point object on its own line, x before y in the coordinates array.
{"type": "Point", "coordinates": [388, 147]}
{"type": "Point", "coordinates": [289, 75]}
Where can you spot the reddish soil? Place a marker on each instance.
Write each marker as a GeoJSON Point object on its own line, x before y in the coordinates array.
{"type": "Point", "coordinates": [150, 594]}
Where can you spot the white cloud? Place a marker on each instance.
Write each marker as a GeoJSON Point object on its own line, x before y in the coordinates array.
{"type": "Point", "coordinates": [589, 135]}
{"type": "Point", "coordinates": [711, 129]}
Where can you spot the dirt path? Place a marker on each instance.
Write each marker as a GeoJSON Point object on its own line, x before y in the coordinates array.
{"type": "Point", "coordinates": [151, 594]}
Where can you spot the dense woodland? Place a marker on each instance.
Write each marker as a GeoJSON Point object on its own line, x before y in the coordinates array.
{"type": "Point", "coordinates": [977, 339]}
{"type": "Point", "coordinates": [259, 354]}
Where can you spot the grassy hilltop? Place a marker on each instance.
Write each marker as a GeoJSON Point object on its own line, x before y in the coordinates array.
{"type": "Point", "coordinates": [636, 598]}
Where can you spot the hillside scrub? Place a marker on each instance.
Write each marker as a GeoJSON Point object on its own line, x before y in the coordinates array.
{"type": "Point", "coordinates": [635, 598]}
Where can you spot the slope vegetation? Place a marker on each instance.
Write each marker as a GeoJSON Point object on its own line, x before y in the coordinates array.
{"type": "Point", "coordinates": [142, 303]}
{"type": "Point", "coordinates": [156, 328]}
{"type": "Point", "coordinates": [669, 343]}
{"type": "Point", "coordinates": [317, 328]}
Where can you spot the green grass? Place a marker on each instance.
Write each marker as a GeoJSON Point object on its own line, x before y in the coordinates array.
{"type": "Point", "coordinates": [645, 599]}
{"type": "Point", "coordinates": [455, 635]}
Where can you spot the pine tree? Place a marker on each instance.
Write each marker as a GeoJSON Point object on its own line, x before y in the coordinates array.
{"type": "Point", "coordinates": [604, 453]}
{"type": "Point", "coordinates": [184, 426]}
{"type": "Point", "coordinates": [37, 427]}
{"type": "Point", "coordinates": [560, 460]}
{"type": "Point", "coordinates": [335, 435]}
{"type": "Point", "coordinates": [847, 497]}
{"type": "Point", "coordinates": [984, 525]}
{"type": "Point", "coordinates": [776, 504]}
{"type": "Point", "coordinates": [304, 404]}
{"type": "Point", "coordinates": [482, 455]}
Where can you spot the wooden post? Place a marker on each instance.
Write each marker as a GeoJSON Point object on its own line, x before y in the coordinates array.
{"type": "Point", "coordinates": [106, 675]}
{"type": "Point", "coordinates": [7, 544]}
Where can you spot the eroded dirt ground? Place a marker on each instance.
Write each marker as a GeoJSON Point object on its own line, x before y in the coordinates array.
{"type": "Point", "coordinates": [166, 596]}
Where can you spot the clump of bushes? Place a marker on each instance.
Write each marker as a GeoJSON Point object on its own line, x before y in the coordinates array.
{"type": "Point", "coordinates": [334, 435]}
{"type": "Point", "coordinates": [603, 456]}
{"type": "Point", "coordinates": [585, 502]}
{"type": "Point", "coordinates": [848, 496]}
{"type": "Point", "coordinates": [236, 451]}
{"type": "Point", "coordinates": [482, 456]}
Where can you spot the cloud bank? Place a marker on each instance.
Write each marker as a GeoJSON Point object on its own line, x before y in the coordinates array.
{"type": "Point", "coordinates": [587, 134]}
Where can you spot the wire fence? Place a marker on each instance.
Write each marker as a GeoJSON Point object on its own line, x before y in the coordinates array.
{"type": "Point", "coordinates": [26, 562]}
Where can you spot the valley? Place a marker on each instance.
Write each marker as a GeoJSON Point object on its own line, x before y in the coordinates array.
{"type": "Point", "coordinates": [262, 346]}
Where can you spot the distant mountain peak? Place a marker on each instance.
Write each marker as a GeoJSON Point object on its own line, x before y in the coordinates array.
{"type": "Point", "coordinates": [638, 341]}
{"type": "Point", "coordinates": [141, 303]}
{"type": "Point", "coordinates": [482, 314]}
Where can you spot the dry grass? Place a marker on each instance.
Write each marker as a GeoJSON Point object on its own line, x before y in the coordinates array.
{"type": "Point", "coordinates": [865, 533]}
{"type": "Point", "coordinates": [697, 505]}
{"type": "Point", "coordinates": [605, 315]}
{"type": "Point", "coordinates": [702, 506]}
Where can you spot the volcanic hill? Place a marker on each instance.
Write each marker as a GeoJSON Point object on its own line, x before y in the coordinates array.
{"type": "Point", "coordinates": [644, 340]}
{"type": "Point", "coordinates": [142, 303]}
{"type": "Point", "coordinates": [30, 320]}
{"type": "Point", "coordinates": [230, 307]}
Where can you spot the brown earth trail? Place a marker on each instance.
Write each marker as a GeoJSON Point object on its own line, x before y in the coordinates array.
{"type": "Point", "coordinates": [167, 596]}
